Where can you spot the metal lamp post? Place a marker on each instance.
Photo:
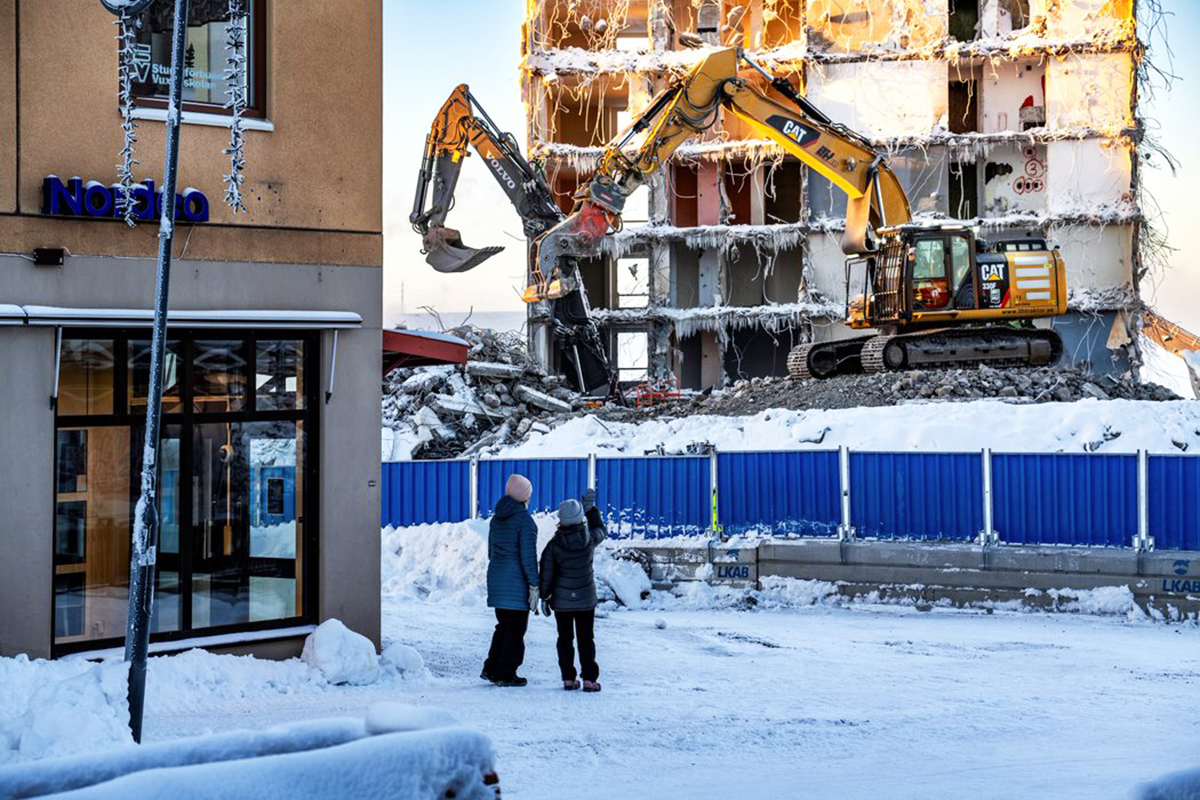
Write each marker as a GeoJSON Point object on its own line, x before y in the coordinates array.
{"type": "Point", "coordinates": [145, 528]}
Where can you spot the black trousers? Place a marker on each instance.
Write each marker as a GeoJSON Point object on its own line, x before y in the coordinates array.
{"type": "Point", "coordinates": [577, 625]}
{"type": "Point", "coordinates": [508, 644]}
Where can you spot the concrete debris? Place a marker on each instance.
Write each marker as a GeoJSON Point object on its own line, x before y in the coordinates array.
{"type": "Point", "coordinates": [488, 369]}
{"type": "Point", "coordinates": [541, 400]}
{"type": "Point", "coordinates": [447, 412]}
{"type": "Point", "coordinates": [1037, 385]}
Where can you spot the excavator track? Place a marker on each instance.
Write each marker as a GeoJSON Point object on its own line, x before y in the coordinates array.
{"type": "Point", "coordinates": [797, 362]}
{"type": "Point", "coordinates": [872, 354]}
{"type": "Point", "coordinates": [943, 348]}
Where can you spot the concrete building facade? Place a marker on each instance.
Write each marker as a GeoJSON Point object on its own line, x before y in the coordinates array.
{"type": "Point", "coordinates": [1018, 115]}
{"type": "Point", "coordinates": [269, 502]}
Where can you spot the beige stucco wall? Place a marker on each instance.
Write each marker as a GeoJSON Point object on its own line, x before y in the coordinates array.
{"type": "Point", "coordinates": [317, 173]}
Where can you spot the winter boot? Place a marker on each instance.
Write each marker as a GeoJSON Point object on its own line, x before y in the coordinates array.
{"type": "Point", "coordinates": [515, 680]}
{"type": "Point", "coordinates": [591, 686]}
{"type": "Point", "coordinates": [571, 685]}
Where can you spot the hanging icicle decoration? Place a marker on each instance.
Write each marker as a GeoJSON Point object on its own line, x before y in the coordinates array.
{"type": "Point", "coordinates": [235, 77]}
{"type": "Point", "coordinates": [127, 44]}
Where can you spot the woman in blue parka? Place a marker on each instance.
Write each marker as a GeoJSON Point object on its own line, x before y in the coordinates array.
{"type": "Point", "coordinates": [512, 581]}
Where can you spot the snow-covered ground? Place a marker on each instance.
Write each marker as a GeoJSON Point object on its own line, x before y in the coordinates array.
{"type": "Point", "coordinates": [1108, 426]}
{"type": "Point", "coordinates": [1111, 426]}
{"type": "Point", "coordinates": [806, 695]}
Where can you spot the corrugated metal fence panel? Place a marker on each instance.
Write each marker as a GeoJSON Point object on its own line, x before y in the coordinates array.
{"type": "Point", "coordinates": [416, 492]}
{"type": "Point", "coordinates": [553, 479]}
{"type": "Point", "coordinates": [655, 497]}
{"type": "Point", "coordinates": [1174, 499]}
{"type": "Point", "coordinates": [1071, 499]}
{"type": "Point", "coordinates": [916, 495]}
{"type": "Point", "coordinates": [779, 492]}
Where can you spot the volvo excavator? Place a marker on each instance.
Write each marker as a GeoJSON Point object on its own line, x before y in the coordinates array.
{"type": "Point", "coordinates": [456, 128]}
{"type": "Point", "coordinates": [930, 295]}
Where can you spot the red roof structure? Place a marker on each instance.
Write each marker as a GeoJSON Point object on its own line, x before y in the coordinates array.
{"type": "Point", "coordinates": [421, 349]}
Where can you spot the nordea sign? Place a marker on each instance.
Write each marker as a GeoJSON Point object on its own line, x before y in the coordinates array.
{"type": "Point", "coordinates": [94, 199]}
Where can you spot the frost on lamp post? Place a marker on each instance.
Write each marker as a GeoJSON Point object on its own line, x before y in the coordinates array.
{"type": "Point", "coordinates": [145, 526]}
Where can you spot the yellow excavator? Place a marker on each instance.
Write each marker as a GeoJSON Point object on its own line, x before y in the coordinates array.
{"type": "Point", "coordinates": [931, 295]}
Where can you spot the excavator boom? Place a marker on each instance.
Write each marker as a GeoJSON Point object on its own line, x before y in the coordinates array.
{"type": "Point", "coordinates": [689, 107]}
{"type": "Point", "coordinates": [455, 129]}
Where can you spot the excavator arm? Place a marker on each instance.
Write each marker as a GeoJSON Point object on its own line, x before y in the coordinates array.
{"type": "Point", "coordinates": [461, 124]}
{"type": "Point", "coordinates": [689, 107]}
{"type": "Point", "coordinates": [455, 129]}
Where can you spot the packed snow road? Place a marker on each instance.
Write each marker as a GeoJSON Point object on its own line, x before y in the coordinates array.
{"type": "Point", "coordinates": [865, 701]}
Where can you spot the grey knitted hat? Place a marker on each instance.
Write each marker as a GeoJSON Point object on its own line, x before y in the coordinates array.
{"type": "Point", "coordinates": [570, 512]}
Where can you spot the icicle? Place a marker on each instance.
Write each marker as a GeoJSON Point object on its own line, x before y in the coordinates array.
{"type": "Point", "coordinates": [127, 44]}
{"type": "Point", "coordinates": [235, 77]}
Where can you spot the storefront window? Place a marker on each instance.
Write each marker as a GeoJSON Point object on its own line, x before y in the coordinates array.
{"type": "Point", "coordinates": [85, 377]}
{"type": "Point", "coordinates": [219, 375]}
{"type": "Point", "coordinates": [233, 472]}
{"type": "Point", "coordinates": [205, 81]}
{"type": "Point", "coordinates": [91, 537]}
{"type": "Point", "coordinates": [139, 375]}
{"type": "Point", "coordinates": [279, 375]}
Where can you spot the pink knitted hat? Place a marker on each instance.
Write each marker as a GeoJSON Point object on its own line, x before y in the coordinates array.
{"type": "Point", "coordinates": [518, 488]}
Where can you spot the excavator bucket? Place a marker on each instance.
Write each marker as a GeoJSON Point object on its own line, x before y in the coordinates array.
{"type": "Point", "coordinates": [445, 251]}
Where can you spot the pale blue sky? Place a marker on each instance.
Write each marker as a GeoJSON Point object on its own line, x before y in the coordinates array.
{"type": "Point", "coordinates": [429, 48]}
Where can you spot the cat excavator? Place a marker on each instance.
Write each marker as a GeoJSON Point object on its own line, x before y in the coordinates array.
{"type": "Point", "coordinates": [930, 295]}
{"type": "Point", "coordinates": [457, 128]}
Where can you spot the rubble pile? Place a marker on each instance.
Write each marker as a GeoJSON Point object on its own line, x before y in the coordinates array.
{"type": "Point", "coordinates": [1031, 385]}
{"type": "Point", "coordinates": [499, 397]}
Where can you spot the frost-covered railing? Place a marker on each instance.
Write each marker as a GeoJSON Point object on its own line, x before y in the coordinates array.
{"type": "Point", "coordinates": [1108, 500]}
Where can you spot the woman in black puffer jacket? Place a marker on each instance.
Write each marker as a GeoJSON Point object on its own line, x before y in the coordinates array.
{"type": "Point", "coordinates": [568, 586]}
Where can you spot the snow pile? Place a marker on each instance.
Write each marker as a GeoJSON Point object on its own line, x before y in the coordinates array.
{"type": "Point", "coordinates": [620, 579]}
{"type": "Point", "coordinates": [441, 562]}
{"type": "Point", "coordinates": [1116, 426]}
{"type": "Point", "coordinates": [777, 593]}
{"type": "Point", "coordinates": [60, 708]}
{"type": "Point", "coordinates": [340, 654]}
{"type": "Point", "coordinates": [405, 660]}
{"type": "Point", "coordinates": [399, 752]}
{"type": "Point", "coordinates": [1103, 601]}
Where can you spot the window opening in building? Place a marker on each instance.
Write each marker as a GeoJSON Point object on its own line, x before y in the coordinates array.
{"type": "Point", "coordinates": [633, 350]}
{"type": "Point", "coordinates": [632, 282]}
{"type": "Point", "coordinates": [964, 190]}
{"type": "Point", "coordinates": [205, 81]}
{"type": "Point", "coordinates": [964, 19]}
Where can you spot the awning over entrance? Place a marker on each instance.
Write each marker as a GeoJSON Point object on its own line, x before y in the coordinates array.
{"type": "Point", "coordinates": [421, 349]}
{"type": "Point", "coordinates": [61, 317]}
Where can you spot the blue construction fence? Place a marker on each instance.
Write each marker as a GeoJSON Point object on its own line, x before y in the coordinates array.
{"type": "Point", "coordinates": [1113, 500]}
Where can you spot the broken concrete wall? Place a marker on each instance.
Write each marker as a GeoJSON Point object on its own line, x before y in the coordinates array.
{"type": "Point", "coordinates": [1014, 179]}
{"type": "Point", "coordinates": [1092, 91]}
{"type": "Point", "coordinates": [875, 25]}
{"type": "Point", "coordinates": [1088, 176]}
{"type": "Point", "coordinates": [1079, 20]}
{"type": "Point", "coordinates": [882, 99]}
{"type": "Point", "coordinates": [1097, 257]}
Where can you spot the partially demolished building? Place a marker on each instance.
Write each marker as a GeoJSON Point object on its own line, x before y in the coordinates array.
{"type": "Point", "coordinates": [1020, 115]}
